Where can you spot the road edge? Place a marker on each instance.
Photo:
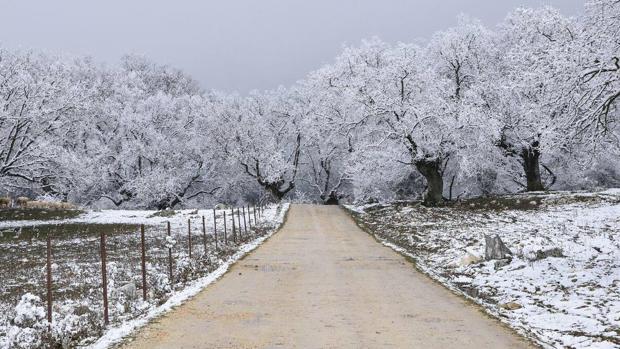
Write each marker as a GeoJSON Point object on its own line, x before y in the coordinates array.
{"type": "Point", "coordinates": [428, 273]}
{"type": "Point", "coordinates": [119, 335]}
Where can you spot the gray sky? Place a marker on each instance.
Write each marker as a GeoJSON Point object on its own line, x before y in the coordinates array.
{"type": "Point", "coordinates": [236, 45]}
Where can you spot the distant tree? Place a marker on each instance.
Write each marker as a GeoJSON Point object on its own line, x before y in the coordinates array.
{"type": "Point", "coordinates": [329, 143]}
{"type": "Point", "coordinates": [262, 135]}
{"type": "Point", "coordinates": [38, 96]}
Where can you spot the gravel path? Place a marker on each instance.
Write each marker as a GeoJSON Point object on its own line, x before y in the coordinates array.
{"type": "Point", "coordinates": [321, 282]}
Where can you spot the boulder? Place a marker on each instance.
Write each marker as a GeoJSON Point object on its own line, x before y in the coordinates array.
{"type": "Point", "coordinates": [128, 291]}
{"type": "Point", "coordinates": [542, 254]}
{"type": "Point", "coordinates": [495, 248]}
{"type": "Point", "coordinates": [500, 263]}
{"type": "Point", "coordinates": [511, 306]}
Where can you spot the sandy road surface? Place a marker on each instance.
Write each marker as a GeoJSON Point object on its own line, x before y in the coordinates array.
{"type": "Point", "coordinates": [321, 282]}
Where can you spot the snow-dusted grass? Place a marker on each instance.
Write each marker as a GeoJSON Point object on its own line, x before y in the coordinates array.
{"type": "Point", "coordinates": [148, 217]}
{"type": "Point", "coordinates": [77, 312]}
{"type": "Point", "coordinates": [570, 301]}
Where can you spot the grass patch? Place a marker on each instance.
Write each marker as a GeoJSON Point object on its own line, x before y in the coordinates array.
{"type": "Point", "coordinates": [520, 203]}
{"type": "Point", "coordinates": [63, 231]}
{"type": "Point", "coordinates": [164, 213]}
{"type": "Point", "coordinates": [75, 249]}
{"type": "Point", "coordinates": [30, 214]}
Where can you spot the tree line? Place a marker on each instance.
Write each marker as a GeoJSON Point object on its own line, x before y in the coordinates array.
{"type": "Point", "coordinates": [529, 105]}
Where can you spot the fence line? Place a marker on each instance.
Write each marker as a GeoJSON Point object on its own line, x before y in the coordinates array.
{"type": "Point", "coordinates": [143, 253]}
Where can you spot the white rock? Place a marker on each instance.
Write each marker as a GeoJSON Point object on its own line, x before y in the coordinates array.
{"type": "Point", "coordinates": [469, 259]}
{"type": "Point", "coordinates": [127, 290]}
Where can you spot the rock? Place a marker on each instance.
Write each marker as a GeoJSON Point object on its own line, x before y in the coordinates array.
{"type": "Point", "coordinates": [472, 291]}
{"type": "Point", "coordinates": [469, 259]}
{"type": "Point", "coordinates": [500, 263]}
{"type": "Point", "coordinates": [511, 306]}
{"type": "Point", "coordinates": [128, 290]}
{"type": "Point", "coordinates": [522, 266]}
{"type": "Point", "coordinates": [542, 254]}
{"type": "Point", "coordinates": [495, 248]}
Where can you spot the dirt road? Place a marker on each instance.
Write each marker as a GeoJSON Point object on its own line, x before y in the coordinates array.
{"type": "Point", "coordinates": [321, 282]}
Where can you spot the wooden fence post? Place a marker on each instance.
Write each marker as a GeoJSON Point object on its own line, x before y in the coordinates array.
{"type": "Point", "coordinates": [104, 277]}
{"type": "Point", "coordinates": [49, 280]}
{"type": "Point", "coordinates": [232, 215]}
{"type": "Point", "coordinates": [189, 236]}
{"type": "Point", "coordinates": [204, 233]}
{"type": "Point", "coordinates": [254, 211]}
{"type": "Point", "coordinates": [215, 228]}
{"type": "Point", "coordinates": [245, 227]}
{"type": "Point", "coordinates": [225, 234]}
{"type": "Point", "coordinates": [249, 218]}
{"type": "Point", "coordinates": [143, 247]}
{"type": "Point", "coordinates": [170, 257]}
{"type": "Point", "coordinates": [239, 220]}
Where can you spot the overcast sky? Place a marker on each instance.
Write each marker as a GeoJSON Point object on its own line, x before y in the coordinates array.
{"type": "Point", "coordinates": [236, 45]}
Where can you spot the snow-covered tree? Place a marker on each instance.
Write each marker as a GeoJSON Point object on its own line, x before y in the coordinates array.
{"type": "Point", "coordinates": [329, 142]}
{"type": "Point", "coordinates": [472, 111]}
{"type": "Point", "coordinates": [416, 102]}
{"type": "Point", "coordinates": [598, 92]}
{"type": "Point", "coordinates": [526, 90]}
{"type": "Point", "coordinates": [262, 136]}
{"type": "Point", "coordinates": [38, 95]}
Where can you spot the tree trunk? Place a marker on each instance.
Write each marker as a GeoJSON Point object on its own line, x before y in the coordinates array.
{"type": "Point", "coordinates": [48, 188]}
{"type": "Point", "coordinates": [332, 199]}
{"type": "Point", "coordinates": [431, 170]}
{"type": "Point", "coordinates": [167, 203]}
{"type": "Point", "coordinates": [275, 190]}
{"type": "Point", "coordinates": [531, 166]}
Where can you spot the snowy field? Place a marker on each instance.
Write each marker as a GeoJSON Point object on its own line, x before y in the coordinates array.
{"type": "Point", "coordinates": [562, 286]}
{"type": "Point", "coordinates": [76, 271]}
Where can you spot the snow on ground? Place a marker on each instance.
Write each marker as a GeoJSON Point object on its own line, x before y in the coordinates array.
{"type": "Point", "coordinates": [115, 334]}
{"type": "Point", "coordinates": [567, 299]}
{"type": "Point", "coordinates": [147, 217]}
{"type": "Point", "coordinates": [77, 307]}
